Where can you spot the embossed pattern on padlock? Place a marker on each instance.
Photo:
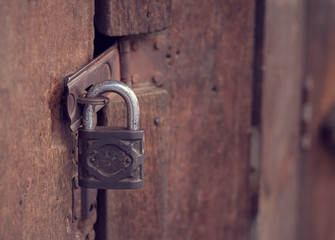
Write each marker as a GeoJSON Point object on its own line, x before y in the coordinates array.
{"type": "Point", "coordinates": [111, 157]}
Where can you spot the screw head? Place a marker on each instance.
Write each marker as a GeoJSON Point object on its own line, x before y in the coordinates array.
{"type": "Point", "coordinates": [157, 121]}
{"type": "Point", "coordinates": [91, 159]}
{"type": "Point", "coordinates": [158, 79]}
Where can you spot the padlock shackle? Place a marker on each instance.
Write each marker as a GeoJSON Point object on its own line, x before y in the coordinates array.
{"type": "Point", "coordinates": [133, 108]}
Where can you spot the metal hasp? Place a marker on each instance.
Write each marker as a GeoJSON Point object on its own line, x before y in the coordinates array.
{"type": "Point", "coordinates": [105, 66]}
{"type": "Point", "coordinates": [84, 201]}
{"type": "Point", "coordinates": [139, 61]}
{"type": "Point", "coordinates": [111, 157]}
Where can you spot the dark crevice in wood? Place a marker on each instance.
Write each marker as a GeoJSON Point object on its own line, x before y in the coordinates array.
{"type": "Point", "coordinates": [257, 65]}
{"type": "Point", "coordinates": [100, 225]}
{"type": "Point", "coordinates": [102, 42]}
{"type": "Point", "coordinates": [255, 138]}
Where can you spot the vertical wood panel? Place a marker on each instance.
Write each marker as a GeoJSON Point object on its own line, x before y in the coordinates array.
{"type": "Point", "coordinates": [298, 173]}
{"type": "Point", "coordinates": [40, 42]}
{"type": "Point", "coordinates": [210, 100]}
{"type": "Point", "coordinates": [281, 114]}
{"type": "Point", "coordinates": [203, 193]}
{"type": "Point", "coordinates": [318, 197]}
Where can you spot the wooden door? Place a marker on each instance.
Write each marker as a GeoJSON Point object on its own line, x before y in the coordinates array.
{"type": "Point", "coordinates": [197, 155]}
{"type": "Point", "coordinates": [196, 120]}
{"type": "Point", "coordinates": [208, 106]}
{"type": "Point", "coordinates": [196, 123]}
{"type": "Point", "coordinates": [297, 172]}
{"type": "Point", "coordinates": [41, 42]}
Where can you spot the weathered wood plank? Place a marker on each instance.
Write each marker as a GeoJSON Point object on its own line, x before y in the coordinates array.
{"type": "Point", "coordinates": [317, 194]}
{"type": "Point", "coordinates": [281, 120]}
{"type": "Point", "coordinates": [298, 173]}
{"type": "Point", "coordinates": [204, 191]}
{"type": "Point", "coordinates": [40, 42]}
{"type": "Point", "coordinates": [130, 17]}
{"type": "Point", "coordinates": [210, 100]}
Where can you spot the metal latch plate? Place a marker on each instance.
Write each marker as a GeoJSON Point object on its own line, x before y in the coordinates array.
{"type": "Point", "coordinates": [105, 67]}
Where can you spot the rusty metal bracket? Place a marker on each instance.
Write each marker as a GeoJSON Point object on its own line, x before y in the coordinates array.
{"type": "Point", "coordinates": [83, 201]}
{"type": "Point", "coordinates": [145, 59]}
{"type": "Point", "coordinates": [105, 66]}
{"type": "Point", "coordinates": [136, 61]}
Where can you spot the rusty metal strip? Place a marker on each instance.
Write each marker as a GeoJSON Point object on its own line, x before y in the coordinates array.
{"type": "Point", "coordinates": [136, 61]}
{"type": "Point", "coordinates": [144, 59]}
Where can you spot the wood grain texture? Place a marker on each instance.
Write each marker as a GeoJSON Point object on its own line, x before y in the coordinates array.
{"type": "Point", "coordinates": [40, 42]}
{"type": "Point", "coordinates": [130, 17]}
{"type": "Point", "coordinates": [202, 192]}
{"type": "Point", "coordinates": [209, 85]}
{"type": "Point", "coordinates": [281, 120]}
{"type": "Point", "coordinates": [317, 194]}
{"type": "Point", "coordinates": [140, 214]}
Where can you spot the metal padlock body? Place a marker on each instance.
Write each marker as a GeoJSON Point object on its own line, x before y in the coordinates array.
{"type": "Point", "coordinates": [111, 158]}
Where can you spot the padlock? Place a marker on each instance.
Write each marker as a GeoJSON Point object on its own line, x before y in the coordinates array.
{"type": "Point", "coordinates": [111, 157]}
